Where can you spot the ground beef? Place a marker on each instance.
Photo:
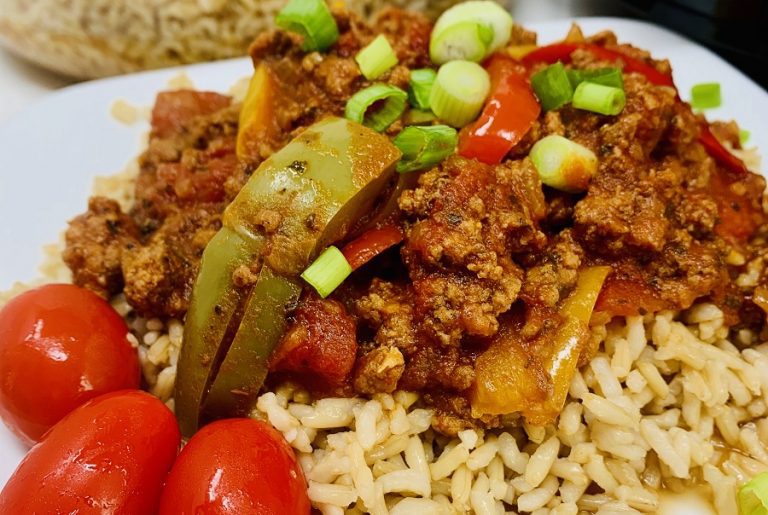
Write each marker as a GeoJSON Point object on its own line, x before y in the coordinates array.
{"type": "Point", "coordinates": [95, 244]}
{"type": "Point", "coordinates": [468, 219]}
{"type": "Point", "coordinates": [153, 252]}
{"type": "Point", "coordinates": [189, 166]}
{"type": "Point", "coordinates": [379, 370]}
{"type": "Point", "coordinates": [310, 86]}
{"type": "Point", "coordinates": [388, 308]}
{"type": "Point", "coordinates": [160, 272]}
{"type": "Point", "coordinates": [554, 274]}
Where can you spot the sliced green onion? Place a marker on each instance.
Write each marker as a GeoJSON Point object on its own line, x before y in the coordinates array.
{"type": "Point", "coordinates": [424, 147]}
{"type": "Point", "coordinates": [706, 95]}
{"type": "Point", "coordinates": [563, 164]}
{"type": "Point", "coordinates": [376, 58]}
{"type": "Point", "coordinates": [327, 272]}
{"type": "Point", "coordinates": [605, 76]}
{"type": "Point", "coordinates": [598, 98]}
{"type": "Point", "coordinates": [743, 136]}
{"type": "Point", "coordinates": [466, 41]}
{"type": "Point", "coordinates": [463, 43]}
{"type": "Point", "coordinates": [419, 117]}
{"type": "Point", "coordinates": [552, 86]}
{"type": "Point", "coordinates": [753, 496]}
{"type": "Point", "coordinates": [459, 92]}
{"type": "Point", "coordinates": [420, 87]}
{"type": "Point", "coordinates": [361, 109]}
{"type": "Point", "coordinates": [311, 19]}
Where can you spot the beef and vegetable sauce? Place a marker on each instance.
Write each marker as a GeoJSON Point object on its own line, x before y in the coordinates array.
{"type": "Point", "coordinates": [485, 289]}
{"type": "Point", "coordinates": [152, 253]}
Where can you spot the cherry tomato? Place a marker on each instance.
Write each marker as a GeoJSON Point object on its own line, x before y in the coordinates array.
{"type": "Point", "coordinates": [236, 466]}
{"type": "Point", "coordinates": [60, 345]}
{"type": "Point", "coordinates": [110, 455]}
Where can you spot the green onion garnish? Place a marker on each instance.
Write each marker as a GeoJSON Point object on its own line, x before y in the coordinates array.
{"type": "Point", "coordinates": [598, 98]}
{"type": "Point", "coordinates": [552, 86]}
{"type": "Point", "coordinates": [470, 31]}
{"type": "Point", "coordinates": [743, 136]}
{"type": "Point", "coordinates": [605, 76]}
{"type": "Point", "coordinates": [376, 58]}
{"type": "Point", "coordinates": [311, 19]}
{"type": "Point", "coordinates": [327, 272]}
{"type": "Point", "coordinates": [420, 87]}
{"type": "Point", "coordinates": [423, 147]}
{"type": "Point", "coordinates": [753, 496]}
{"type": "Point", "coordinates": [706, 95]}
{"type": "Point", "coordinates": [459, 92]}
{"type": "Point", "coordinates": [419, 117]}
{"type": "Point", "coordinates": [390, 102]}
{"type": "Point", "coordinates": [467, 41]}
{"type": "Point", "coordinates": [563, 164]}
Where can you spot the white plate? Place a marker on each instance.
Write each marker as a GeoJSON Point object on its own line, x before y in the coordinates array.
{"type": "Point", "coordinates": [50, 153]}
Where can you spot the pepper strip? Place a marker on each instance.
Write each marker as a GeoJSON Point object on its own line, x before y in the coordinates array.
{"type": "Point", "coordinates": [507, 382]}
{"type": "Point", "coordinates": [550, 54]}
{"type": "Point", "coordinates": [370, 244]}
{"type": "Point", "coordinates": [304, 197]}
{"type": "Point", "coordinates": [507, 117]}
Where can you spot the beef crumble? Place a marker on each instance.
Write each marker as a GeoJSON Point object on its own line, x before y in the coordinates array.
{"type": "Point", "coordinates": [152, 253]}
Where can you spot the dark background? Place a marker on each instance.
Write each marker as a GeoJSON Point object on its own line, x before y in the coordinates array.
{"type": "Point", "coordinates": [735, 29]}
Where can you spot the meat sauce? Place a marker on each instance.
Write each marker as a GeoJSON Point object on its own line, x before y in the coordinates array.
{"type": "Point", "coordinates": [489, 253]}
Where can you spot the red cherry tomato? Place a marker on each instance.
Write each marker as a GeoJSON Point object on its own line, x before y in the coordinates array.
{"type": "Point", "coordinates": [60, 345]}
{"type": "Point", "coordinates": [110, 455]}
{"type": "Point", "coordinates": [236, 466]}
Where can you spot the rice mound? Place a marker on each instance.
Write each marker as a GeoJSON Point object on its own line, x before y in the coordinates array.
{"type": "Point", "coordinates": [666, 403]}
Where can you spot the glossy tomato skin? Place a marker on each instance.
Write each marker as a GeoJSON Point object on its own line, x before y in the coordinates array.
{"type": "Point", "coordinates": [236, 466]}
{"type": "Point", "coordinates": [109, 456]}
{"type": "Point", "coordinates": [60, 345]}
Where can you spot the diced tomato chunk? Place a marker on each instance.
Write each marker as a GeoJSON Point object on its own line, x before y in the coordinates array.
{"type": "Point", "coordinates": [627, 297]}
{"type": "Point", "coordinates": [175, 108]}
{"type": "Point", "coordinates": [203, 183]}
{"type": "Point", "coordinates": [321, 343]}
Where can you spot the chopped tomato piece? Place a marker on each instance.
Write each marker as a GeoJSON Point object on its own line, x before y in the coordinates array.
{"type": "Point", "coordinates": [627, 297]}
{"type": "Point", "coordinates": [173, 109]}
{"type": "Point", "coordinates": [321, 344]}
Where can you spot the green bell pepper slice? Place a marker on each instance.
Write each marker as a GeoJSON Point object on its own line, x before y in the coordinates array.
{"type": "Point", "coordinates": [300, 200]}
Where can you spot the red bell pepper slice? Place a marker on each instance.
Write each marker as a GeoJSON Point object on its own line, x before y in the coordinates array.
{"type": "Point", "coordinates": [370, 244]}
{"type": "Point", "coordinates": [550, 54]}
{"type": "Point", "coordinates": [506, 118]}
{"type": "Point", "coordinates": [562, 52]}
{"type": "Point", "coordinates": [720, 154]}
